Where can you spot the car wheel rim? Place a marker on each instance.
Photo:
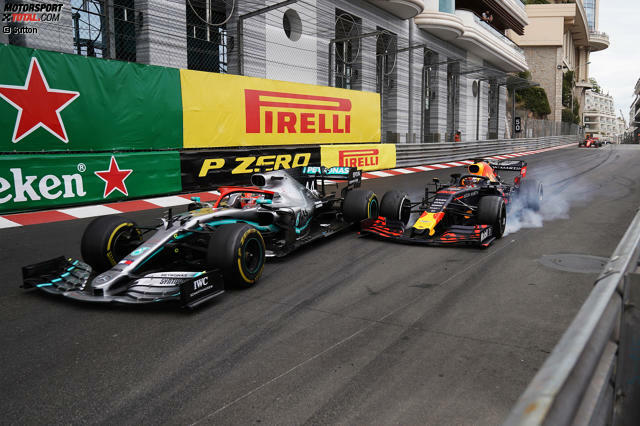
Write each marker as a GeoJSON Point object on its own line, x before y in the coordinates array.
{"type": "Point", "coordinates": [123, 243]}
{"type": "Point", "coordinates": [252, 257]}
{"type": "Point", "coordinates": [373, 208]}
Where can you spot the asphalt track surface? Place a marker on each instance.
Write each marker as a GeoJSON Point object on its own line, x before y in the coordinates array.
{"type": "Point", "coordinates": [350, 330]}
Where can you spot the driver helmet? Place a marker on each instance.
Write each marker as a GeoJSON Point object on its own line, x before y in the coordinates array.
{"type": "Point", "coordinates": [470, 181]}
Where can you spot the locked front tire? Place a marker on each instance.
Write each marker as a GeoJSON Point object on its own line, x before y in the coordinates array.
{"type": "Point", "coordinates": [395, 205]}
{"type": "Point", "coordinates": [492, 211]}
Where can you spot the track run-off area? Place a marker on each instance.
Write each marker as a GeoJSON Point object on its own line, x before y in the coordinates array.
{"type": "Point", "coordinates": [349, 330]}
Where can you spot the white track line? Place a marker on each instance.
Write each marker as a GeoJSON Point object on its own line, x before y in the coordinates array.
{"type": "Point", "coordinates": [170, 201]}
{"type": "Point", "coordinates": [6, 223]}
{"type": "Point", "coordinates": [89, 211]}
{"type": "Point", "coordinates": [405, 171]}
{"type": "Point", "coordinates": [380, 174]}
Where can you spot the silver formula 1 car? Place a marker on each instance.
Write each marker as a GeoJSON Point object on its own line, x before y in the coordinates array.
{"type": "Point", "coordinates": [190, 256]}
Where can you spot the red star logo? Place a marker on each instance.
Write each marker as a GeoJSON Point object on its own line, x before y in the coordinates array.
{"type": "Point", "coordinates": [114, 178]}
{"type": "Point", "coordinates": [37, 104]}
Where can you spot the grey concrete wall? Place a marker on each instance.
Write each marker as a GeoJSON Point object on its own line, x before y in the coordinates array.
{"type": "Point", "coordinates": [161, 36]}
{"type": "Point", "coordinates": [543, 63]}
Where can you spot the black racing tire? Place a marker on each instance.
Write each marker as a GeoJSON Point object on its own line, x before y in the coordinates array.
{"type": "Point", "coordinates": [107, 240]}
{"type": "Point", "coordinates": [360, 204]}
{"type": "Point", "coordinates": [238, 250]}
{"type": "Point", "coordinates": [492, 211]}
{"type": "Point", "coordinates": [531, 193]}
{"type": "Point", "coordinates": [395, 205]}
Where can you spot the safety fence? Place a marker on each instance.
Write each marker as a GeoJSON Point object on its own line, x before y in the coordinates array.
{"type": "Point", "coordinates": [416, 154]}
{"type": "Point", "coordinates": [592, 376]}
{"type": "Point", "coordinates": [529, 127]}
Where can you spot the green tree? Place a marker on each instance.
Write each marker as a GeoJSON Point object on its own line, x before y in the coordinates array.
{"type": "Point", "coordinates": [572, 116]}
{"type": "Point", "coordinates": [596, 87]}
{"type": "Point", "coordinates": [533, 99]}
{"type": "Point", "coordinates": [567, 88]}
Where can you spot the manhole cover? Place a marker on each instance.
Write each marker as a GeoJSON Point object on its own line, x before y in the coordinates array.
{"type": "Point", "coordinates": [574, 262]}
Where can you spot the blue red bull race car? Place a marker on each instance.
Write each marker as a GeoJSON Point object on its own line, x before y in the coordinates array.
{"type": "Point", "coordinates": [470, 211]}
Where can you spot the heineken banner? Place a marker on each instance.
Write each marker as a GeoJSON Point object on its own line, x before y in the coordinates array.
{"type": "Point", "coordinates": [205, 169]}
{"type": "Point", "coordinates": [42, 181]}
{"type": "Point", "coordinates": [58, 102]}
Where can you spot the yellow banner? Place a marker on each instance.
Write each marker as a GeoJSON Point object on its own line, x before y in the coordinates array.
{"type": "Point", "coordinates": [230, 110]}
{"type": "Point", "coordinates": [364, 157]}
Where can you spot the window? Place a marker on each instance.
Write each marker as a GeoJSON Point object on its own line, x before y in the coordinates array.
{"type": "Point", "coordinates": [292, 25]}
{"type": "Point", "coordinates": [347, 50]}
{"type": "Point", "coordinates": [386, 52]}
{"type": "Point", "coordinates": [125, 30]}
{"type": "Point", "coordinates": [206, 41]}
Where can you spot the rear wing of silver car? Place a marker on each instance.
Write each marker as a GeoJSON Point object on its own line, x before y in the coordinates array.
{"type": "Point", "coordinates": [333, 173]}
{"type": "Point", "coordinates": [315, 177]}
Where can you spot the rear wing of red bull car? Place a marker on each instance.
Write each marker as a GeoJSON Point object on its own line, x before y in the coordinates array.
{"type": "Point", "coordinates": [509, 165]}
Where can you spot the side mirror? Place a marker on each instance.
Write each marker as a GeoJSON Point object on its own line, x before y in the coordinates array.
{"type": "Point", "coordinates": [436, 180]}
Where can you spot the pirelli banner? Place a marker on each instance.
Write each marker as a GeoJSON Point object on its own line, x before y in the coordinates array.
{"type": "Point", "coordinates": [221, 110]}
{"type": "Point", "coordinates": [363, 156]}
{"type": "Point", "coordinates": [206, 169]}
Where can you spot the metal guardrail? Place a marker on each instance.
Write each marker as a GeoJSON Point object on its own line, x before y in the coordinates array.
{"type": "Point", "coordinates": [430, 153]}
{"type": "Point", "coordinates": [592, 376]}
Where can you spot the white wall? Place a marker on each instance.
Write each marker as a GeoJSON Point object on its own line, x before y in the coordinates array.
{"type": "Point", "coordinates": [292, 60]}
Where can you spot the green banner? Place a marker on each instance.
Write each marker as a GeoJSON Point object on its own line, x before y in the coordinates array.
{"type": "Point", "coordinates": [59, 102]}
{"type": "Point", "coordinates": [45, 181]}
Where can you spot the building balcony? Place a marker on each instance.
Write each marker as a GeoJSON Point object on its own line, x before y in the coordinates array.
{"type": "Point", "coordinates": [443, 25]}
{"type": "Point", "coordinates": [483, 40]}
{"type": "Point", "coordinates": [403, 9]}
{"type": "Point", "coordinates": [517, 9]}
{"type": "Point", "coordinates": [584, 84]}
{"type": "Point", "coordinates": [466, 30]}
{"type": "Point", "coordinates": [598, 41]}
{"type": "Point", "coordinates": [507, 14]}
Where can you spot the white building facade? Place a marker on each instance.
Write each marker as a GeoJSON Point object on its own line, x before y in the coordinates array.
{"type": "Point", "coordinates": [599, 116]}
